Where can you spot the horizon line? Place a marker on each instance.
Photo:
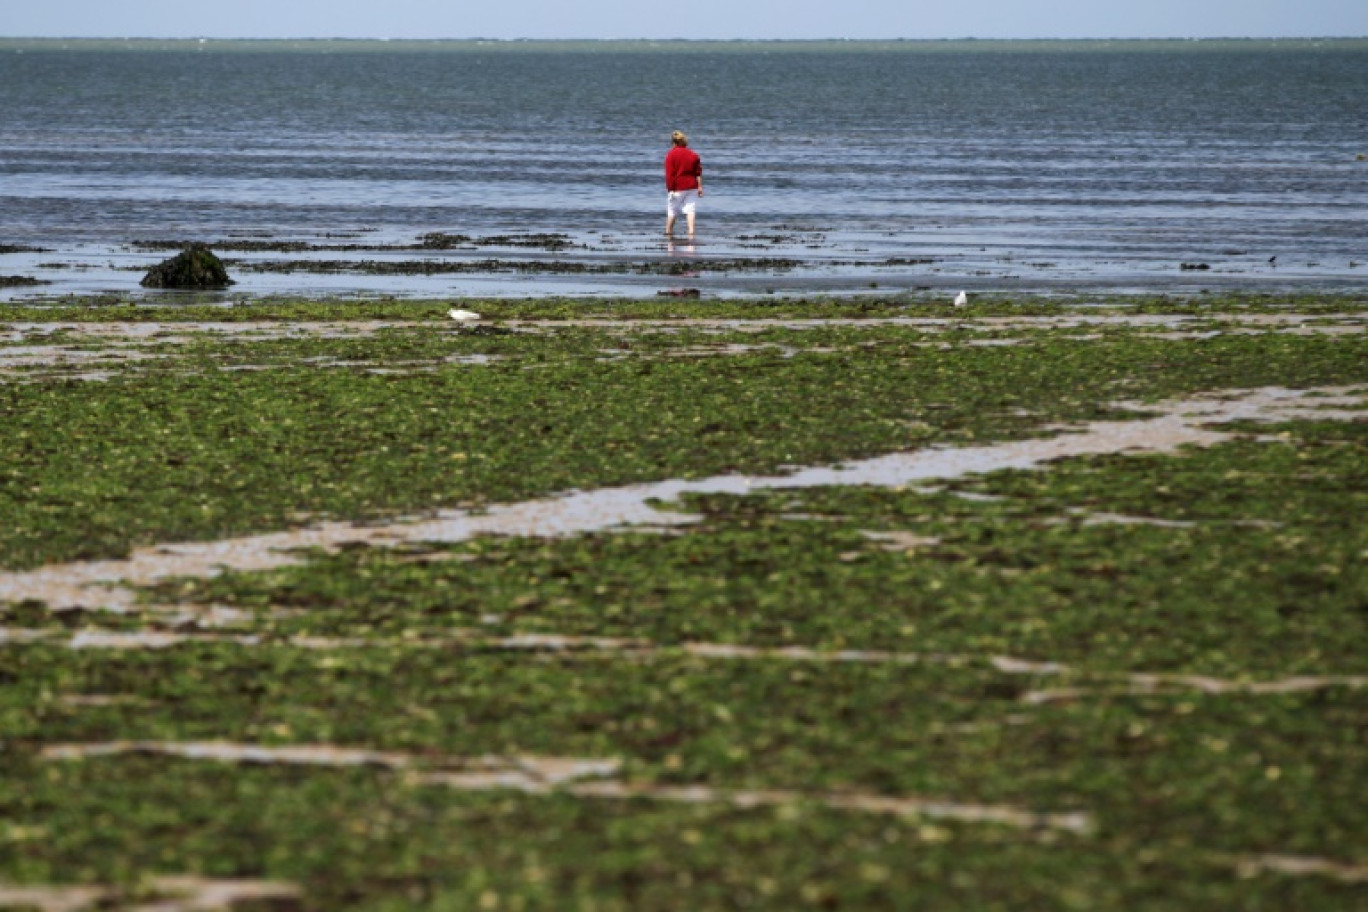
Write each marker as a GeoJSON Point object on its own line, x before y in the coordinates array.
{"type": "Point", "coordinates": [714, 40]}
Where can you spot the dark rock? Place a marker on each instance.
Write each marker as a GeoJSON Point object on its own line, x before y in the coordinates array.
{"type": "Point", "coordinates": [194, 267]}
{"type": "Point", "coordinates": [248, 246]}
{"type": "Point", "coordinates": [680, 293]}
{"type": "Point", "coordinates": [19, 281]}
{"type": "Point", "coordinates": [545, 241]}
{"type": "Point", "coordinates": [1196, 266]}
{"type": "Point", "coordinates": [438, 240]}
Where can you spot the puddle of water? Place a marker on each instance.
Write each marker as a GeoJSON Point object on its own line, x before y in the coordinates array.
{"type": "Point", "coordinates": [99, 584]}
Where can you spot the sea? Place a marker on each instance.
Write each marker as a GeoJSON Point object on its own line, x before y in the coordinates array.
{"type": "Point", "coordinates": [472, 168]}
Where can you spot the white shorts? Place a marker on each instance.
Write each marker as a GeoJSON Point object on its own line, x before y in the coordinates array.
{"type": "Point", "coordinates": [677, 201]}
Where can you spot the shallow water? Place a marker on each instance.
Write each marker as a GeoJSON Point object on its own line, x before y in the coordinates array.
{"type": "Point", "coordinates": [907, 166]}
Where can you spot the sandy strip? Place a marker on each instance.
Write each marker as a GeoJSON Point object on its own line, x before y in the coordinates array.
{"type": "Point", "coordinates": [101, 584]}
{"type": "Point", "coordinates": [53, 898]}
{"type": "Point", "coordinates": [522, 773]}
{"type": "Point", "coordinates": [198, 894]}
{"type": "Point", "coordinates": [1074, 822]}
{"type": "Point", "coordinates": [1141, 684]}
{"type": "Point", "coordinates": [584, 778]}
{"type": "Point", "coordinates": [175, 894]}
{"type": "Point", "coordinates": [175, 332]}
{"type": "Point", "coordinates": [1300, 866]}
{"type": "Point", "coordinates": [1120, 683]}
{"type": "Point", "coordinates": [965, 319]}
{"type": "Point", "coordinates": [94, 638]}
{"type": "Point", "coordinates": [53, 362]}
{"type": "Point", "coordinates": [62, 356]}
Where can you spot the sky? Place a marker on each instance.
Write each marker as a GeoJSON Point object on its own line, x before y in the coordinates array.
{"type": "Point", "coordinates": [684, 18]}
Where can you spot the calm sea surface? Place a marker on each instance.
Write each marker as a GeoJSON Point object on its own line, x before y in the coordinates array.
{"type": "Point", "coordinates": [918, 165]}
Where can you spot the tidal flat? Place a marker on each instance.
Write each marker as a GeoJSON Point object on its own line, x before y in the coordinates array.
{"type": "Point", "coordinates": [865, 603]}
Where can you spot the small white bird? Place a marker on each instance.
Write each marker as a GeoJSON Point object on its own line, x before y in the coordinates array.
{"type": "Point", "coordinates": [463, 316]}
{"type": "Point", "coordinates": [961, 299]}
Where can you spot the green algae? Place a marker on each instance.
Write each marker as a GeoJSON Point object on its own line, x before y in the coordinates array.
{"type": "Point", "coordinates": [1244, 560]}
{"type": "Point", "coordinates": [1252, 551]}
{"type": "Point", "coordinates": [190, 307]}
{"type": "Point", "coordinates": [171, 449]}
{"type": "Point", "coordinates": [356, 840]}
{"type": "Point", "coordinates": [1175, 783]}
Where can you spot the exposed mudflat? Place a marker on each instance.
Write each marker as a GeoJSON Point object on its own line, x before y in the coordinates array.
{"type": "Point", "coordinates": [101, 585]}
{"type": "Point", "coordinates": [800, 607]}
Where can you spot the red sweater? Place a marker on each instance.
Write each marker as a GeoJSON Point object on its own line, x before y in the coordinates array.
{"type": "Point", "coordinates": [683, 168]}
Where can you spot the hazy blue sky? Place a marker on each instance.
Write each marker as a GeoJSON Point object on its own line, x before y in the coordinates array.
{"type": "Point", "coordinates": [686, 19]}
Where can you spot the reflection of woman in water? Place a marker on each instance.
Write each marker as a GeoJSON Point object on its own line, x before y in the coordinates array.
{"type": "Point", "coordinates": [683, 182]}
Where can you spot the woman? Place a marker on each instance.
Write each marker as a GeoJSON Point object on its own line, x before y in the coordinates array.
{"type": "Point", "coordinates": [683, 182]}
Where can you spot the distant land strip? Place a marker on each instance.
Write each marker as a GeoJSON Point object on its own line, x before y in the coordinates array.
{"type": "Point", "coordinates": [649, 45]}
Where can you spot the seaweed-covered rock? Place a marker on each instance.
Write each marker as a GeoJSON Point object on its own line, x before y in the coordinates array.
{"type": "Point", "coordinates": [194, 267]}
